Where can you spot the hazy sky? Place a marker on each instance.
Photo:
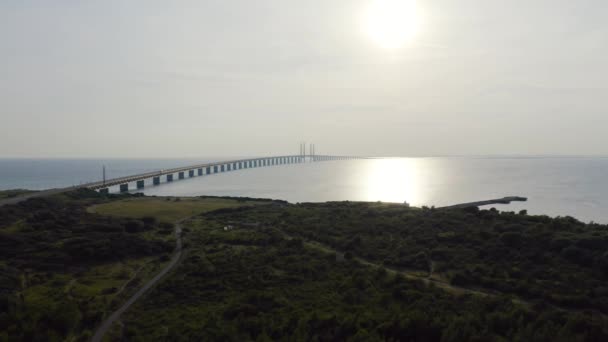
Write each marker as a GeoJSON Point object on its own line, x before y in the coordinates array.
{"type": "Point", "coordinates": [147, 78]}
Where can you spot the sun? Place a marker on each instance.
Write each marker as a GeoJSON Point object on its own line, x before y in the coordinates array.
{"type": "Point", "coordinates": [391, 23]}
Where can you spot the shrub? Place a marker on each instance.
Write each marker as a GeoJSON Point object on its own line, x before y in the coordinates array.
{"type": "Point", "coordinates": [149, 220]}
{"type": "Point", "coordinates": [134, 226]}
{"type": "Point", "coordinates": [512, 239]}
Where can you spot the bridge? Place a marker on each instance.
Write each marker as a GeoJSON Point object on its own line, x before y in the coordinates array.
{"type": "Point", "coordinates": [199, 170]}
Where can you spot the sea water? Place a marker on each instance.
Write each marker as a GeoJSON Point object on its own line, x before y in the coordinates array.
{"type": "Point", "coordinates": [573, 186]}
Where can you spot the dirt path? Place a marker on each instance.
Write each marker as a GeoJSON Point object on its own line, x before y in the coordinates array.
{"type": "Point", "coordinates": [432, 278]}
{"type": "Point", "coordinates": [124, 286]}
{"type": "Point", "coordinates": [107, 323]}
{"type": "Point", "coordinates": [428, 279]}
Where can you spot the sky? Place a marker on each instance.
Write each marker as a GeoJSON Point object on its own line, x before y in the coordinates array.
{"type": "Point", "coordinates": [194, 78]}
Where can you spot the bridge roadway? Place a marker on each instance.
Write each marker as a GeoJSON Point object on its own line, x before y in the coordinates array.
{"type": "Point", "coordinates": [206, 169]}
{"type": "Point", "coordinates": [190, 171]}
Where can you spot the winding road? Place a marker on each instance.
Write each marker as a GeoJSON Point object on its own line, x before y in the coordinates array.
{"type": "Point", "coordinates": [107, 323]}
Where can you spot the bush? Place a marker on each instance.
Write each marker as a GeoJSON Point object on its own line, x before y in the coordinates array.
{"type": "Point", "coordinates": [149, 220]}
{"type": "Point", "coordinates": [134, 226]}
{"type": "Point", "coordinates": [511, 239]}
{"type": "Point", "coordinates": [576, 255]}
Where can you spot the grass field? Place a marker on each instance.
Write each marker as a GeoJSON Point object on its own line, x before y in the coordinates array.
{"type": "Point", "coordinates": [166, 209]}
{"type": "Point", "coordinates": [13, 193]}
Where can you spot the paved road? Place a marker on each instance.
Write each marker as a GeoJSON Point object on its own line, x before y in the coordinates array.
{"type": "Point", "coordinates": [107, 324]}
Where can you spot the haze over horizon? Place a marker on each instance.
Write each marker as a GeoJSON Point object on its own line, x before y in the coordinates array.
{"type": "Point", "coordinates": [229, 78]}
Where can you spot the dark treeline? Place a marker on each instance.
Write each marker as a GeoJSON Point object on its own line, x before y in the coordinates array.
{"type": "Point", "coordinates": [265, 279]}
{"type": "Point", "coordinates": [46, 241]}
{"type": "Point", "coordinates": [326, 272]}
{"type": "Point", "coordinates": [535, 257]}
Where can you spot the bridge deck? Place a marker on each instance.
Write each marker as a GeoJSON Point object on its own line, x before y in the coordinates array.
{"type": "Point", "coordinates": [293, 159]}
{"type": "Point", "coordinates": [143, 176]}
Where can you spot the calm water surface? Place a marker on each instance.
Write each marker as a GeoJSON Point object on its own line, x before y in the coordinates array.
{"type": "Point", "coordinates": [554, 186]}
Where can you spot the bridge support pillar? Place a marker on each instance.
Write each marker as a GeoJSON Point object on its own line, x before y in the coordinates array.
{"type": "Point", "coordinates": [190, 173]}
{"type": "Point", "coordinates": [156, 181]}
{"type": "Point", "coordinates": [140, 184]}
{"type": "Point", "coordinates": [200, 172]}
{"type": "Point", "coordinates": [170, 178]}
{"type": "Point", "coordinates": [124, 187]}
{"type": "Point", "coordinates": [104, 191]}
{"type": "Point", "coordinates": [180, 175]}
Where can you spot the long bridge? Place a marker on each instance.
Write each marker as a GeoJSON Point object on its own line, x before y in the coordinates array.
{"type": "Point", "coordinates": [185, 172]}
{"type": "Point", "coordinates": [205, 169]}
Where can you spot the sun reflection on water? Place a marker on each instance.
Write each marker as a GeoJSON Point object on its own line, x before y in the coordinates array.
{"type": "Point", "coordinates": [395, 180]}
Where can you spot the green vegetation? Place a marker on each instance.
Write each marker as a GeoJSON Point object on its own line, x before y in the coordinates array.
{"type": "Point", "coordinates": [165, 209]}
{"type": "Point", "coordinates": [63, 267]}
{"type": "Point", "coordinates": [533, 257]}
{"type": "Point", "coordinates": [13, 193]}
{"type": "Point", "coordinates": [367, 272]}
{"type": "Point", "coordinates": [325, 272]}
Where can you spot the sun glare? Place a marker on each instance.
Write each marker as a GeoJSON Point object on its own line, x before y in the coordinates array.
{"type": "Point", "coordinates": [395, 180]}
{"type": "Point", "coordinates": [391, 23]}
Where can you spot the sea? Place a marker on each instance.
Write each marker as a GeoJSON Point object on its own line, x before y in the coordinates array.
{"type": "Point", "coordinates": [554, 186]}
